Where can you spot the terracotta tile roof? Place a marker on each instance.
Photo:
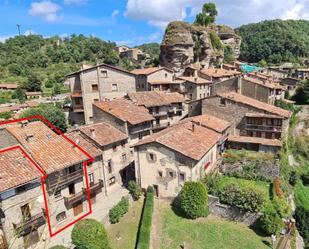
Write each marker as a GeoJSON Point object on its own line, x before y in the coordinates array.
{"type": "Point", "coordinates": [183, 138]}
{"type": "Point", "coordinates": [165, 82]}
{"type": "Point", "coordinates": [150, 70]}
{"type": "Point", "coordinates": [256, 104]}
{"type": "Point", "coordinates": [255, 140]}
{"type": "Point", "coordinates": [8, 86]}
{"type": "Point", "coordinates": [125, 110]}
{"type": "Point", "coordinates": [103, 133]}
{"type": "Point", "coordinates": [260, 75]}
{"type": "Point", "coordinates": [267, 84]}
{"type": "Point", "coordinates": [218, 73]}
{"type": "Point", "coordinates": [52, 152]}
{"type": "Point", "coordinates": [33, 93]}
{"type": "Point", "coordinates": [16, 169]}
{"type": "Point", "coordinates": [18, 107]}
{"type": "Point", "coordinates": [90, 148]}
{"type": "Point", "coordinates": [211, 122]}
{"type": "Point", "coordinates": [194, 80]}
{"type": "Point", "coordinates": [262, 115]}
{"type": "Point", "coordinates": [153, 98]}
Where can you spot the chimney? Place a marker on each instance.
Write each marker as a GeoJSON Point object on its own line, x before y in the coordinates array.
{"type": "Point", "coordinates": [193, 127]}
{"type": "Point", "coordinates": [24, 123]}
{"type": "Point", "coordinates": [29, 137]}
{"type": "Point", "coordinates": [92, 131]}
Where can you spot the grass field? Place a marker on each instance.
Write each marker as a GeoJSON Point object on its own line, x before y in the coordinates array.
{"type": "Point", "coordinates": [301, 193]}
{"type": "Point", "coordinates": [127, 227]}
{"type": "Point", "coordinates": [206, 233]}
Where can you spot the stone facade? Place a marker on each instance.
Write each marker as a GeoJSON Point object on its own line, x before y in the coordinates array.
{"type": "Point", "coordinates": [97, 84]}
{"type": "Point", "coordinates": [167, 170]}
{"type": "Point", "coordinates": [235, 113]}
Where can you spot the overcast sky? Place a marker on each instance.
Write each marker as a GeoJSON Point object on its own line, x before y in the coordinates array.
{"type": "Point", "coordinates": [132, 22]}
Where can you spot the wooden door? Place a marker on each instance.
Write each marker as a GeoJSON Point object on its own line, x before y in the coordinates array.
{"type": "Point", "coordinates": [78, 208]}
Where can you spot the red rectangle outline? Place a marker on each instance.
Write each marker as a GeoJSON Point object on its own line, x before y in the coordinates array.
{"type": "Point", "coordinates": [43, 178]}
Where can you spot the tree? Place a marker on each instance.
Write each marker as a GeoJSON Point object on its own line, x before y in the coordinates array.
{"type": "Point", "coordinates": [51, 113]}
{"type": "Point", "coordinates": [134, 190]}
{"type": "Point", "coordinates": [208, 14]}
{"type": "Point", "coordinates": [263, 63]}
{"type": "Point", "coordinates": [194, 200]}
{"type": "Point", "coordinates": [33, 83]}
{"type": "Point", "coordinates": [58, 247]}
{"type": "Point", "coordinates": [19, 94]}
{"type": "Point", "coordinates": [302, 93]}
{"type": "Point", "coordinates": [89, 234]}
{"type": "Point", "coordinates": [56, 89]}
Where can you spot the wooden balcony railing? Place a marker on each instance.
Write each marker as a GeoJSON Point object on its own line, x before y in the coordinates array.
{"type": "Point", "coordinates": [264, 127]}
{"type": "Point", "coordinates": [64, 179]}
{"type": "Point", "coordinates": [80, 196]}
{"type": "Point", "coordinates": [160, 126]}
{"type": "Point", "coordinates": [78, 108]}
{"type": "Point", "coordinates": [95, 187]}
{"type": "Point", "coordinates": [140, 128]}
{"type": "Point", "coordinates": [26, 226]}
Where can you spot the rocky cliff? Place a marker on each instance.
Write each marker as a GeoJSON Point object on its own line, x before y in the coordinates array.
{"type": "Point", "coordinates": [184, 44]}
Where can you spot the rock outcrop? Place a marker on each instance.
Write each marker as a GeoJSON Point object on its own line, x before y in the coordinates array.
{"type": "Point", "coordinates": [229, 38]}
{"type": "Point", "coordinates": [184, 44]}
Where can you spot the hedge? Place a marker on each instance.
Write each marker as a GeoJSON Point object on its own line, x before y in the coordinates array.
{"type": "Point", "coordinates": [143, 239]}
{"type": "Point", "coordinates": [119, 210]}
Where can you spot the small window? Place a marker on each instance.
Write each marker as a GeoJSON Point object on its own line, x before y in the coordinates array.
{"type": "Point", "coordinates": [109, 166]}
{"type": "Point", "coordinates": [140, 136]}
{"type": "Point", "coordinates": [95, 87]}
{"type": "Point", "coordinates": [115, 148]}
{"type": "Point", "coordinates": [96, 100]}
{"type": "Point", "coordinates": [61, 216]}
{"type": "Point", "coordinates": [91, 178]}
{"type": "Point", "coordinates": [114, 88]}
{"type": "Point", "coordinates": [182, 177]}
{"type": "Point", "coordinates": [124, 157]}
{"type": "Point", "coordinates": [57, 193]}
{"type": "Point", "coordinates": [160, 173]}
{"type": "Point", "coordinates": [104, 73]}
{"type": "Point", "coordinates": [171, 174]}
{"type": "Point", "coordinates": [165, 75]}
{"type": "Point", "coordinates": [151, 157]}
{"type": "Point", "coordinates": [112, 181]}
{"type": "Point", "coordinates": [204, 95]}
{"type": "Point", "coordinates": [222, 102]}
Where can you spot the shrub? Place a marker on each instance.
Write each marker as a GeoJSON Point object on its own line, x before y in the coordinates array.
{"type": "Point", "coordinates": [293, 178]}
{"type": "Point", "coordinates": [193, 200]}
{"type": "Point", "coordinates": [119, 210]}
{"type": "Point", "coordinates": [305, 179]}
{"type": "Point", "coordinates": [134, 190]}
{"type": "Point", "coordinates": [6, 115]}
{"type": "Point", "coordinates": [89, 234]}
{"type": "Point", "coordinates": [212, 182]}
{"type": "Point", "coordinates": [246, 198]}
{"type": "Point", "coordinates": [302, 223]}
{"type": "Point", "coordinates": [270, 221]}
{"type": "Point", "coordinates": [58, 247]}
{"type": "Point", "coordinates": [143, 239]}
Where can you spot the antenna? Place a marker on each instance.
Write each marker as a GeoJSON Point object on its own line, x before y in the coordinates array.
{"type": "Point", "coordinates": [18, 27]}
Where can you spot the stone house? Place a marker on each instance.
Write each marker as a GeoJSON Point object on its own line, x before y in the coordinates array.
{"type": "Point", "coordinates": [145, 77]}
{"type": "Point", "coordinates": [217, 74]}
{"type": "Point", "coordinates": [166, 108]}
{"type": "Point", "coordinates": [196, 87]}
{"type": "Point", "coordinates": [97, 83]}
{"type": "Point", "coordinates": [182, 152]}
{"type": "Point", "coordinates": [248, 117]}
{"type": "Point", "coordinates": [276, 73]}
{"type": "Point", "coordinates": [34, 95]}
{"type": "Point", "coordinates": [302, 73]}
{"type": "Point", "coordinates": [133, 120]}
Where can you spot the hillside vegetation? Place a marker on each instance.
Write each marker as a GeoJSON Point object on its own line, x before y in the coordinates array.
{"type": "Point", "coordinates": [275, 41]}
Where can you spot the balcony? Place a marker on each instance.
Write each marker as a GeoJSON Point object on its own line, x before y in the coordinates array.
{"type": "Point", "coordinates": [160, 126]}
{"type": "Point", "coordinates": [159, 114]}
{"type": "Point", "coordinates": [273, 128]}
{"type": "Point", "coordinates": [95, 187]}
{"type": "Point", "coordinates": [80, 196]}
{"type": "Point", "coordinates": [140, 128]}
{"type": "Point", "coordinates": [77, 94]}
{"type": "Point", "coordinates": [78, 108]}
{"type": "Point", "coordinates": [25, 227]}
{"type": "Point", "coordinates": [64, 179]}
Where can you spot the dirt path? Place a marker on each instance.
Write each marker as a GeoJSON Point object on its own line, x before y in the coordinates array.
{"type": "Point", "coordinates": [156, 227]}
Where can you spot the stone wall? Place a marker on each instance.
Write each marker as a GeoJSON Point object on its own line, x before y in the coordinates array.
{"type": "Point", "coordinates": [230, 85]}
{"type": "Point", "coordinates": [231, 213]}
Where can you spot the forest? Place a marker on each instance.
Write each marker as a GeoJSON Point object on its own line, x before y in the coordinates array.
{"type": "Point", "coordinates": [275, 41]}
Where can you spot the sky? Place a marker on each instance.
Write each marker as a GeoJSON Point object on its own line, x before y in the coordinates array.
{"type": "Point", "coordinates": [132, 22]}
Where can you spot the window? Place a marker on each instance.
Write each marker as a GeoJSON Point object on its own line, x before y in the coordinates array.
{"type": "Point", "coordinates": [25, 211]}
{"type": "Point", "coordinates": [61, 216]}
{"type": "Point", "coordinates": [200, 96]}
{"type": "Point", "coordinates": [109, 166]}
{"type": "Point", "coordinates": [112, 181]}
{"type": "Point", "coordinates": [123, 144]}
{"type": "Point", "coordinates": [182, 177]}
{"type": "Point", "coordinates": [115, 148]}
{"type": "Point", "coordinates": [95, 87]}
{"type": "Point", "coordinates": [165, 75]}
{"type": "Point", "coordinates": [171, 174]}
{"type": "Point", "coordinates": [268, 135]}
{"type": "Point", "coordinates": [151, 157]}
{"type": "Point", "coordinates": [124, 157]}
{"type": "Point", "coordinates": [222, 102]}
{"type": "Point", "coordinates": [78, 101]}
{"type": "Point", "coordinates": [71, 189]}
{"type": "Point", "coordinates": [140, 136]}
{"type": "Point", "coordinates": [114, 88]}
{"type": "Point", "coordinates": [57, 193]}
{"type": "Point", "coordinates": [96, 100]}
{"type": "Point", "coordinates": [160, 173]}
{"type": "Point", "coordinates": [104, 73]}
{"type": "Point", "coordinates": [91, 178]}
{"type": "Point", "coordinates": [204, 95]}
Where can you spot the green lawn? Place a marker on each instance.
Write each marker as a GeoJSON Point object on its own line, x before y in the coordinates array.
{"type": "Point", "coordinates": [127, 228]}
{"type": "Point", "coordinates": [206, 233]}
{"type": "Point", "coordinates": [301, 193]}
